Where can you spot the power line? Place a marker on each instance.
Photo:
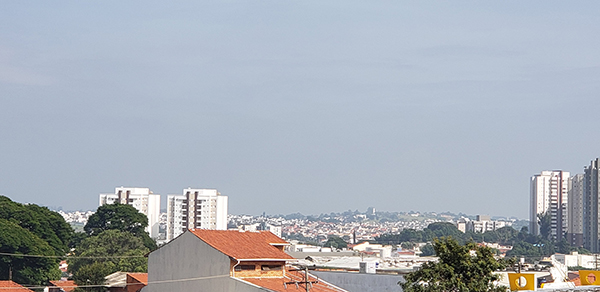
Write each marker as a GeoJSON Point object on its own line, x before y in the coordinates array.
{"type": "Point", "coordinates": [124, 284]}
{"type": "Point", "coordinates": [67, 257]}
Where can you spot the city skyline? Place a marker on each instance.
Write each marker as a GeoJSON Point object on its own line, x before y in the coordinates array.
{"type": "Point", "coordinates": [324, 106]}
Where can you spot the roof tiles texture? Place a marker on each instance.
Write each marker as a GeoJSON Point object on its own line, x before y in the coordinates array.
{"type": "Point", "coordinates": [140, 277]}
{"type": "Point", "coordinates": [278, 284]}
{"type": "Point", "coordinates": [68, 286]}
{"type": "Point", "coordinates": [244, 245]}
{"type": "Point", "coordinates": [10, 286]}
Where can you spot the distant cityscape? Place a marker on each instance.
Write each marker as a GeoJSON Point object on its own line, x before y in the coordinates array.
{"type": "Point", "coordinates": [352, 226]}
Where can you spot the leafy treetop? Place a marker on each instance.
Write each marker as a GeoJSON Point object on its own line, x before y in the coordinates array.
{"type": "Point", "coordinates": [120, 217]}
{"type": "Point", "coordinates": [116, 216]}
{"type": "Point", "coordinates": [101, 255]}
{"type": "Point", "coordinates": [461, 268]}
{"type": "Point", "coordinates": [335, 241]}
{"type": "Point", "coordinates": [45, 224]}
{"type": "Point", "coordinates": [25, 270]}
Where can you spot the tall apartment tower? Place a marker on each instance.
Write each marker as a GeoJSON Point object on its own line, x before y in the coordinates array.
{"type": "Point", "coordinates": [550, 194]}
{"type": "Point", "coordinates": [591, 217]}
{"type": "Point", "coordinates": [575, 232]}
{"type": "Point", "coordinates": [196, 209]}
{"type": "Point", "coordinates": [142, 199]}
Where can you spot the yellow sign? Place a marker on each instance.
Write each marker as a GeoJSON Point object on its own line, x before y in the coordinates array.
{"type": "Point", "coordinates": [520, 281]}
{"type": "Point", "coordinates": [588, 277]}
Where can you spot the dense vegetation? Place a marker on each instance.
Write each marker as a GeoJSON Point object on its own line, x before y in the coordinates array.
{"type": "Point", "coordinates": [45, 224]}
{"type": "Point", "coordinates": [524, 244]}
{"type": "Point", "coordinates": [114, 240]}
{"type": "Point", "coordinates": [468, 267]}
{"type": "Point", "coordinates": [119, 217]}
{"type": "Point", "coordinates": [15, 239]}
{"type": "Point", "coordinates": [335, 241]}
{"type": "Point", "coordinates": [32, 230]}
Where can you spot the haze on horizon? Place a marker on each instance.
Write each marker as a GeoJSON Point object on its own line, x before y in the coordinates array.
{"type": "Point", "coordinates": [310, 107]}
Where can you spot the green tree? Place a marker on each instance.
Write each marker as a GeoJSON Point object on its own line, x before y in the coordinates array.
{"type": "Point", "coordinates": [335, 241]}
{"type": "Point", "coordinates": [45, 224]}
{"type": "Point", "coordinates": [110, 251]}
{"type": "Point", "coordinates": [544, 220]}
{"type": "Point", "coordinates": [442, 229]}
{"type": "Point", "coordinates": [464, 268]}
{"type": "Point", "coordinates": [407, 245]}
{"type": "Point", "coordinates": [15, 239]}
{"type": "Point", "coordinates": [427, 250]}
{"type": "Point", "coordinates": [120, 217]}
{"type": "Point", "coordinates": [93, 274]}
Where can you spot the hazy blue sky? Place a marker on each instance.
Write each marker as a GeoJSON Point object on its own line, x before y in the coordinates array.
{"type": "Point", "coordinates": [298, 106]}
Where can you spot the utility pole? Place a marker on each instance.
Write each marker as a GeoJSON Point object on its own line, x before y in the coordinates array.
{"type": "Point", "coordinates": [306, 277]}
{"type": "Point", "coordinates": [307, 283]}
{"type": "Point", "coordinates": [10, 273]}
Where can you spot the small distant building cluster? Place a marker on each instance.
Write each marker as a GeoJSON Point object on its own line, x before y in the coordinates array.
{"type": "Point", "coordinates": [481, 224]}
{"type": "Point", "coordinates": [262, 226]}
{"type": "Point", "coordinates": [77, 216]}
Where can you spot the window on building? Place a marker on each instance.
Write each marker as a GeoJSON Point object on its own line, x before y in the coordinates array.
{"type": "Point", "coordinates": [244, 268]}
{"type": "Point", "coordinates": [271, 267]}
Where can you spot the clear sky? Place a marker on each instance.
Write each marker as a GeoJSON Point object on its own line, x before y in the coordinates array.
{"type": "Point", "coordinates": [298, 106]}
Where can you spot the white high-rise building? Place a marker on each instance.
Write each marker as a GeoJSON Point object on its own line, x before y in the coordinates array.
{"type": "Point", "coordinates": [196, 209]}
{"type": "Point", "coordinates": [142, 199]}
{"type": "Point", "coordinates": [550, 194]}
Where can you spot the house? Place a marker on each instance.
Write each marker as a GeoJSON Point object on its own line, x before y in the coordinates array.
{"type": "Point", "coordinates": [10, 286]}
{"type": "Point", "coordinates": [62, 286]}
{"type": "Point", "coordinates": [126, 282]}
{"type": "Point", "coordinates": [228, 260]}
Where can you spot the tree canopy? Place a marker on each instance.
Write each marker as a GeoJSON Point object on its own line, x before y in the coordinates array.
{"type": "Point", "coordinates": [109, 252]}
{"type": "Point", "coordinates": [45, 224]}
{"type": "Point", "coordinates": [335, 241]}
{"type": "Point", "coordinates": [15, 239]}
{"type": "Point", "coordinates": [464, 268]}
{"type": "Point", "coordinates": [120, 217]}
{"type": "Point", "coordinates": [524, 243]}
{"type": "Point", "coordinates": [545, 223]}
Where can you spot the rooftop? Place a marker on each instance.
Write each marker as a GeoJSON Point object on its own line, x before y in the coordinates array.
{"type": "Point", "coordinates": [140, 277]}
{"type": "Point", "coordinates": [67, 286]}
{"type": "Point", "coordinates": [288, 283]}
{"type": "Point", "coordinates": [260, 245]}
{"type": "Point", "coordinates": [10, 286]}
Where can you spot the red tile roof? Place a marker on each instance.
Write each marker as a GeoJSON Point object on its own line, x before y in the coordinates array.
{"type": "Point", "coordinates": [244, 245]}
{"type": "Point", "coordinates": [140, 277]}
{"type": "Point", "coordinates": [68, 286]}
{"type": "Point", "coordinates": [278, 284]}
{"type": "Point", "coordinates": [574, 277]}
{"type": "Point", "coordinates": [10, 286]}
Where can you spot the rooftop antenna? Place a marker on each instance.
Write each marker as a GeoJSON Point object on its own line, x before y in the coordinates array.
{"type": "Point", "coordinates": [306, 281]}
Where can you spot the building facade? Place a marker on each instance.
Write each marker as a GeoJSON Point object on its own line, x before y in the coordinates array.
{"type": "Point", "coordinates": [141, 199]}
{"type": "Point", "coordinates": [549, 194]}
{"type": "Point", "coordinates": [481, 224]}
{"type": "Point", "coordinates": [196, 209]}
{"type": "Point", "coordinates": [575, 232]}
{"type": "Point", "coordinates": [591, 217]}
